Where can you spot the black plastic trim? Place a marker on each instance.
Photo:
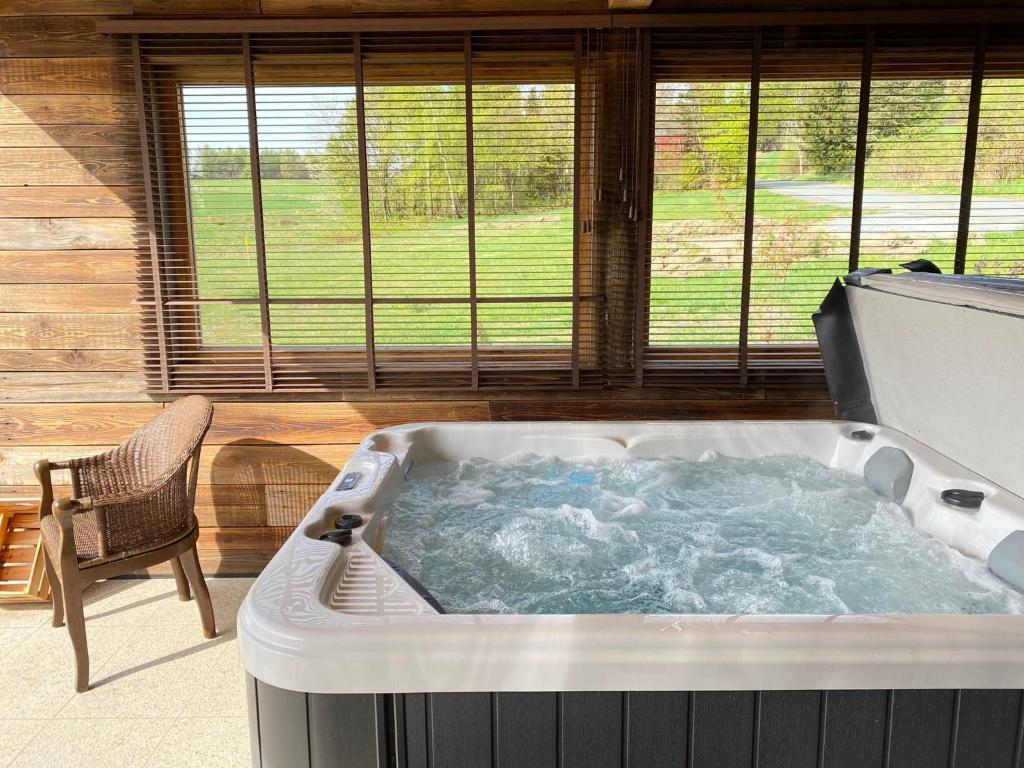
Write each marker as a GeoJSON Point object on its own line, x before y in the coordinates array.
{"type": "Point", "coordinates": [414, 583]}
{"type": "Point", "coordinates": [841, 357]}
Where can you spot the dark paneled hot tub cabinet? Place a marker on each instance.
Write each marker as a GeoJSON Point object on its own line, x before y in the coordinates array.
{"type": "Point", "coordinates": [636, 729]}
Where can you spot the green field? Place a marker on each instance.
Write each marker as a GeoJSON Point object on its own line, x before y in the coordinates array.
{"type": "Point", "coordinates": [314, 251]}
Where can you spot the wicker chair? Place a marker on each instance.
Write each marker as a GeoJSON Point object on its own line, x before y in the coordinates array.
{"type": "Point", "coordinates": [132, 508]}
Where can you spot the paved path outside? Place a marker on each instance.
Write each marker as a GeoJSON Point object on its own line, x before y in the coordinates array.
{"type": "Point", "coordinates": [915, 214]}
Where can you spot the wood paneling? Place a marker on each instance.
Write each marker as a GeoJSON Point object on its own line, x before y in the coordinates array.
{"type": "Point", "coordinates": [304, 7]}
{"type": "Point", "coordinates": [45, 361]}
{"type": "Point", "coordinates": [94, 299]}
{"type": "Point", "coordinates": [87, 266]}
{"type": "Point", "coordinates": [272, 464]}
{"type": "Point", "coordinates": [229, 505]}
{"type": "Point", "coordinates": [16, 462]}
{"type": "Point", "coordinates": [547, 410]}
{"type": "Point", "coordinates": [70, 201]}
{"type": "Point", "coordinates": [223, 561]}
{"type": "Point", "coordinates": [64, 7]}
{"type": "Point", "coordinates": [197, 7]}
{"type": "Point", "coordinates": [92, 109]}
{"type": "Point", "coordinates": [259, 538]}
{"type": "Point", "coordinates": [473, 6]}
{"type": "Point", "coordinates": [81, 424]}
{"type": "Point", "coordinates": [57, 166]}
{"type": "Point", "coordinates": [55, 37]}
{"type": "Point", "coordinates": [218, 464]}
{"type": "Point", "coordinates": [320, 423]}
{"type": "Point", "coordinates": [68, 331]}
{"type": "Point", "coordinates": [72, 386]}
{"type": "Point", "coordinates": [220, 506]}
{"type": "Point", "coordinates": [288, 424]}
{"type": "Point", "coordinates": [74, 233]}
{"type": "Point", "coordinates": [32, 136]}
{"type": "Point", "coordinates": [83, 297]}
{"type": "Point", "coordinates": [65, 76]}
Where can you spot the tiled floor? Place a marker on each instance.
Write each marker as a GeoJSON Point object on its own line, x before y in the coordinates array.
{"type": "Point", "coordinates": [161, 694]}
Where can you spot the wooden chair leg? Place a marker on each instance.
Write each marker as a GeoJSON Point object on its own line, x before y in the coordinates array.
{"type": "Point", "coordinates": [179, 578]}
{"type": "Point", "coordinates": [55, 590]}
{"type": "Point", "coordinates": [76, 628]}
{"type": "Point", "coordinates": [190, 562]}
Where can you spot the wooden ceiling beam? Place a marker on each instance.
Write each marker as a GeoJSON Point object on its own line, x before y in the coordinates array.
{"type": "Point", "coordinates": [628, 5]}
{"type": "Point", "coordinates": [404, 23]}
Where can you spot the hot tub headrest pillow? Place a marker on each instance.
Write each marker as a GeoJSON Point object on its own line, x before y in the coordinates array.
{"type": "Point", "coordinates": [1006, 560]}
{"type": "Point", "coordinates": [889, 471]}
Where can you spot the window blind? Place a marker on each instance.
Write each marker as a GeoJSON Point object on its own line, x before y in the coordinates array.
{"type": "Point", "coordinates": [306, 128]}
{"type": "Point", "coordinates": [806, 150]}
{"type": "Point", "coordinates": [916, 137]}
{"type": "Point", "coordinates": [701, 135]}
{"type": "Point", "coordinates": [374, 210]}
{"type": "Point", "coordinates": [831, 147]}
{"type": "Point", "coordinates": [206, 306]}
{"type": "Point", "coordinates": [996, 234]}
{"type": "Point", "coordinates": [556, 209]}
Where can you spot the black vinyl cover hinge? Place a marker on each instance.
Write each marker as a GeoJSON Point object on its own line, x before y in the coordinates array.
{"type": "Point", "coordinates": [840, 354]}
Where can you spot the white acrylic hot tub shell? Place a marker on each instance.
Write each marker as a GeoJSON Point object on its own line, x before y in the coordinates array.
{"type": "Point", "coordinates": [291, 637]}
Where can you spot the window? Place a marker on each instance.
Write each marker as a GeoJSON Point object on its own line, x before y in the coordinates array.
{"type": "Point", "coordinates": [806, 136]}
{"type": "Point", "coordinates": [700, 171]}
{"type": "Point", "coordinates": [408, 218]}
{"type": "Point", "coordinates": [701, 129]}
{"type": "Point", "coordinates": [916, 136]}
{"type": "Point", "coordinates": [557, 209]}
{"type": "Point", "coordinates": [996, 242]}
{"type": "Point", "coordinates": [742, 250]}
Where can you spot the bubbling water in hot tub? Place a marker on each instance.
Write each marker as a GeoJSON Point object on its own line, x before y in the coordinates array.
{"type": "Point", "coordinates": [779, 534]}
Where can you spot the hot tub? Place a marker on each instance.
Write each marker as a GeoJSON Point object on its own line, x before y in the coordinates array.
{"type": "Point", "coordinates": [351, 664]}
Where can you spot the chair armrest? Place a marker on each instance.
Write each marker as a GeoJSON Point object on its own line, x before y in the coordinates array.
{"type": "Point", "coordinates": [43, 470]}
{"type": "Point", "coordinates": [64, 510]}
{"type": "Point", "coordinates": [65, 507]}
{"type": "Point", "coordinates": [131, 519]}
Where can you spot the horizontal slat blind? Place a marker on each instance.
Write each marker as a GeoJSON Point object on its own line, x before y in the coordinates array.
{"type": "Point", "coordinates": [420, 213]}
{"type": "Point", "coordinates": [917, 129]}
{"type": "Point", "coordinates": [701, 121]}
{"type": "Point", "coordinates": [419, 242]}
{"type": "Point", "coordinates": [913, 129]}
{"type": "Point", "coordinates": [996, 242]}
{"type": "Point", "coordinates": [311, 209]}
{"type": "Point", "coordinates": [557, 208]}
{"type": "Point", "coordinates": [204, 213]}
{"type": "Point", "coordinates": [524, 144]}
{"type": "Point", "coordinates": [806, 137]}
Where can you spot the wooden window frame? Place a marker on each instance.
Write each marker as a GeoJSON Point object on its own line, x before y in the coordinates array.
{"type": "Point", "coordinates": [789, 363]}
{"type": "Point", "coordinates": [165, 152]}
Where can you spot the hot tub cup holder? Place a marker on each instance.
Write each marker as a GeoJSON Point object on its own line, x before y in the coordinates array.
{"type": "Point", "coordinates": [862, 435]}
{"type": "Point", "coordinates": [962, 498]}
{"type": "Point", "coordinates": [348, 522]}
{"type": "Point", "coordinates": [340, 536]}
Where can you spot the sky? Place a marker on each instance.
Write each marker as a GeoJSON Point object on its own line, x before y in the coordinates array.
{"type": "Point", "coordinates": [296, 117]}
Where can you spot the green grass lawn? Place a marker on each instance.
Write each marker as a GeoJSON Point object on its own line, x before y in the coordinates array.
{"type": "Point", "coordinates": [314, 251]}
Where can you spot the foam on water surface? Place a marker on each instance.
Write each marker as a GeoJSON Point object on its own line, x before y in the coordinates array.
{"type": "Point", "coordinates": [779, 534]}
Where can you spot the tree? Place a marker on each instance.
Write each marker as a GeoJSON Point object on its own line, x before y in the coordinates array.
{"type": "Point", "coordinates": [284, 163]}
{"type": "Point", "coordinates": [829, 126]}
{"type": "Point", "coordinates": [416, 149]}
{"type": "Point", "coordinates": [220, 163]}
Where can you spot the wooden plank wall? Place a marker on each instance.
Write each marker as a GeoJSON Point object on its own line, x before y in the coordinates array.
{"type": "Point", "coordinates": [72, 241]}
